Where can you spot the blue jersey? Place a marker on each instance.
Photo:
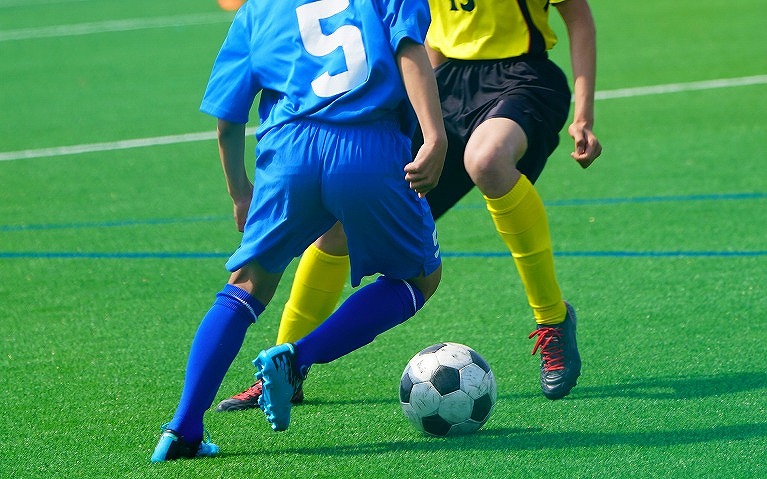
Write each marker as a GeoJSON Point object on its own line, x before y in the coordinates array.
{"type": "Point", "coordinates": [325, 60]}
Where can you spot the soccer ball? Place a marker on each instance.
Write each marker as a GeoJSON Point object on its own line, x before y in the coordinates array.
{"type": "Point", "coordinates": [447, 389]}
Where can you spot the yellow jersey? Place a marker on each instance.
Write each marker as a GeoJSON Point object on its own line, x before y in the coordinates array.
{"type": "Point", "coordinates": [490, 29]}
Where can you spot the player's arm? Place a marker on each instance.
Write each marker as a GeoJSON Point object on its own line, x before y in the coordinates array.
{"type": "Point", "coordinates": [231, 149]}
{"type": "Point", "coordinates": [418, 77]}
{"type": "Point", "coordinates": [436, 58]}
{"type": "Point", "coordinates": [582, 34]}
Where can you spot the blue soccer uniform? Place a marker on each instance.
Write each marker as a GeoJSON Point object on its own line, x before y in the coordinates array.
{"type": "Point", "coordinates": [331, 67]}
{"type": "Point", "coordinates": [333, 142]}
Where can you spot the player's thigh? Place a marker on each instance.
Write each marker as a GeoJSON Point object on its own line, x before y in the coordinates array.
{"type": "Point", "coordinates": [495, 140]}
{"type": "Point", "coordinates": [455, 182]}
{"type": "Point", "coordinates": [539, 122]}
{"type": "Point", "coordinates": [396, 237]}
{"type": "Point", "coordinates": [333, 241]}
{"type": "Point", "coordinates": [389, 229]}
{"type": "Point", "coordinates": [287, 213]}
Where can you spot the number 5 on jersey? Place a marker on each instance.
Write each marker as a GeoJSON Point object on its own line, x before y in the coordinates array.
{"type": "Point", "coordinates": [348, 37]}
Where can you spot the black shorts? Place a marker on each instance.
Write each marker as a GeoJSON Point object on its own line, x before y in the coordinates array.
{"type": "Point", "coordinates": [532, 91]}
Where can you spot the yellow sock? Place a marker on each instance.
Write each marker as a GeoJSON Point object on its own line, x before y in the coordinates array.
{"type": "Point", "coordinates": [317, 287]}
{"type": "Point", "coordinates": [520, 219]}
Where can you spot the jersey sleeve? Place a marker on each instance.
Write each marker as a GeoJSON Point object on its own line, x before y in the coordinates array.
{"type": "Point", "coordinates": [232, 87]}
{"type": "Point", "coordinates": [406, 19]}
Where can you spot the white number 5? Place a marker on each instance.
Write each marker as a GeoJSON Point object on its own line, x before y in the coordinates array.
{"type": "Point", "coordinates": [348, 37]}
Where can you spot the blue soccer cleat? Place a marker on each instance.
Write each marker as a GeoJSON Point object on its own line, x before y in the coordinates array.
{"type": "Point", "coordinates": [560, 359]}
{"type": "Point", "coordinates": [172, 446]}
{"type": "Point", "coordinates": [277, 371]}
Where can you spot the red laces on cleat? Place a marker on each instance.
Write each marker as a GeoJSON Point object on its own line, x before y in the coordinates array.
{"type": "Point", "coordinates": [252, 392]}
{"type": "Point", "coordinates": [551, 352]}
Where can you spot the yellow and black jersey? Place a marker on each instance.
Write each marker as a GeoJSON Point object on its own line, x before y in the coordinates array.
{"type": "Point", "coordinates": [490, 29]}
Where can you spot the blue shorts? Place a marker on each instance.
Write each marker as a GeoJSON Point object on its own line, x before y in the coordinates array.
{"type": "Point", "coordinates": [311, 174]}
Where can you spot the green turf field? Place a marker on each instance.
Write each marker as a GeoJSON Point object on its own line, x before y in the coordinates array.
{"type": "Point", "coordinates": [115, 224]}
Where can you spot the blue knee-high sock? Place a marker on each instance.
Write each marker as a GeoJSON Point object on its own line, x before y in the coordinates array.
{"type": "Point", "coordinates": [215, 345]}
{"type": "Point", "coordinates": [367, 313]}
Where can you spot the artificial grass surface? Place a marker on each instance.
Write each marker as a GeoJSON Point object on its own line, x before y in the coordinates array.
{"type": "Point", "coordinates": [666, 392]}
{"type": "Point", "coordinates": [109, 259]}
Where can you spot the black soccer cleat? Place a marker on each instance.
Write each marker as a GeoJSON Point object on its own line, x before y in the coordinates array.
{"type": "Point", "coordinates": [172, 446]}
{"type": "Point", "coordinates": [560, 360]}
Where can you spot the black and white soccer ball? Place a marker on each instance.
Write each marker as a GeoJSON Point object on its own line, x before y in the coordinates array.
{"type": "Point", "coordinates": [447, 389]}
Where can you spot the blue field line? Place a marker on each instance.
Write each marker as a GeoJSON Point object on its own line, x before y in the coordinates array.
{"type": "Point", "coordinates": [213, 218]}
{"type": "Point", "coordinates": [657, 199]}
{"type": "Point", "coordinates": [447, 254]}
{"type": "Point", "coordinates": [643, 199]}
{"type": "Point", "coordinates": [108, 255]}
{"type": "Point", "coordinates": [618, 254]}
{"type": "Point", "coordinates": [663, 254]}
{"type": "Point", "coordinates": [113, 224]}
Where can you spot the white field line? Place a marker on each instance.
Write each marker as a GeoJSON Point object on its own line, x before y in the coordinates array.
{"type": "Point", "coordinates": [192, 137]}
{"type": "Point", "coordinates": [680, 87]}
{"type": "Point", "coordinates": [112, 145]}
{"type": "Point", "coordinates": [110, 26]}
{"type": "Point", "coordinates": [29, 3]}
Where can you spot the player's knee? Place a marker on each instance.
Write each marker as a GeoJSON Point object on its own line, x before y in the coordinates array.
{"type": "Point", "coordinates": [493, 173]}
{"type": "Point", "coordinates": [255, 280]}
{"type": "Point", "coordinates": [485, 164]}
{"type": "Point", "coordinates": [427, 285]}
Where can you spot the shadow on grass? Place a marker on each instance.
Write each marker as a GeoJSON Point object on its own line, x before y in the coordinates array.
{"type": "Point", "coordinates": [535, 439]}
{"type": "Point", "coordinates": [695, 387]}
{"type": "Point", "coordinates": [664, 388]}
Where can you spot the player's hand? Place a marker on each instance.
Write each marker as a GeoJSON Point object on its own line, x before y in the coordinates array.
{"type": "Point", "coordinates": [587, 147]}
{"type": "Point", "coordinates": [241, 206]}
{"type": "Point", "coordinates": [424, 171]}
